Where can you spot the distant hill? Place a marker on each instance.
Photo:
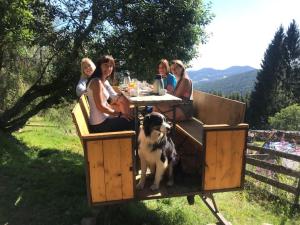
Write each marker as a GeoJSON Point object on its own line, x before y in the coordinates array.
{"type": "Point", "coordinates": [241, 83]}
{"type": "Point", "coordinates": [210, 74]}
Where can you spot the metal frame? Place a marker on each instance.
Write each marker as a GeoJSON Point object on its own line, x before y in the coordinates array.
{"type": "Point", "coordinates": [209, 201]}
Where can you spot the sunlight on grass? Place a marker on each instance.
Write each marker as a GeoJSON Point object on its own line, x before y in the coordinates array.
{"type": "Point", "coordinates": [42, 173]}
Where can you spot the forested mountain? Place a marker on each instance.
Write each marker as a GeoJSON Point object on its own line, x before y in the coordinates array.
{"type": "Point", "coordinates": [210, 74]}
{"type": "Point", "coordinates": [238, 83]}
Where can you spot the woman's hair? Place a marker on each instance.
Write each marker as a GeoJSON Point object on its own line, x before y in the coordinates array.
{"type": "Point", "coordinates": [180, 63]}
{"type": "Point", "coordinates": [86, 61]}
{"type": "Point", "coordinates": [165, 63]}
{"type": "Point", "coordinates": [98, 72]}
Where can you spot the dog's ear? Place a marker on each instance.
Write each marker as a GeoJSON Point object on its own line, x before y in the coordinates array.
{"type": "Point", "coordinates": [146, 125]}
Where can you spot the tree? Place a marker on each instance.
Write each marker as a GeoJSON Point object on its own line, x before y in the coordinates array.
{"type": "Point", "coordinates": [291, 81]}
{"type": "Point", "coordinates": [287, 119]}
{"type": "Point", "coordinates": [137, 33]}
{"type": "Point", "coordinates": [263, 102]}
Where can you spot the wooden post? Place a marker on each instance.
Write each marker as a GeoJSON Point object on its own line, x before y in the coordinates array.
{"type": "Point", "coordinates": [296, 201]}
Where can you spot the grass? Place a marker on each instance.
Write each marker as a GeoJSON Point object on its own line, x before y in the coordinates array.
{"type": "Point", "coordinates": [42, 182]}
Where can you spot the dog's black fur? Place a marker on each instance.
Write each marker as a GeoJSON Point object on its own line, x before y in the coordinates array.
{"type": "Point", "coordinates": [156, 150]}
{"type": "Point", "coordinates": [166, 143]}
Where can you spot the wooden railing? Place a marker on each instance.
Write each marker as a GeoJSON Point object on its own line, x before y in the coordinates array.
{"type": "Point", "coordinates": [258, 160]}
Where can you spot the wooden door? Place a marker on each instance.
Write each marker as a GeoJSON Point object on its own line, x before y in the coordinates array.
{"type": "Point", "coordinates": [110, 169]}
{"type": "Point", "coordinates": [224, 161]}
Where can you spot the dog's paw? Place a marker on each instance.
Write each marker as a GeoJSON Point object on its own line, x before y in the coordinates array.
{"type": "Point", "coordinates": [140, 186]}
{"type": "Point", "coordinates": [154, 187]}
{"type": "Point", "coordinates": [170, 183]}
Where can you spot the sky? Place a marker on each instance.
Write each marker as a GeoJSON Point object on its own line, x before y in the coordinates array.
{"type": "Point", "coordinates": [242, 30]}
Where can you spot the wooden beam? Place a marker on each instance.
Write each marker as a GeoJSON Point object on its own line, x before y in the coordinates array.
{"type": "Point", "coordinates": [274, 152]}
{"type": "Point", "coordinates": [272, 182]}
{"type": "Point", "coordinates": [273, 167]}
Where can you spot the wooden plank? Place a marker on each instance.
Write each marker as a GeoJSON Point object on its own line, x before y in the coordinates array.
{"type": "Point", "coordinates": [258, 156]}
{"type": "Point", "coordinates": [210, 160]}
{"type": "Point", "coordinates": [275, 152]}
{"type": "Point", "coordinates": [238, 147]}
{"type": "Point", "coordinates": [96, 170]}
{"type": "Point", "coordinates": [109, 135]}
{"type": "Point", "coordinates": [85, 106]}
{"type": "Point", "coordinates": [272, 182]}
{"type": "Point", "coordinates": [79, 120]}
{"type": "Point", "coordinates": [191, 128]}
{"type": "Point", "coordinates": [224, 159]}
{"type": "Point", "coordinates": [126, 167]}
{"type": "Point", "coordinates": [273, 167]}
{"type": "Point", "coordinates": [212, 109]}
{"type": "Point", "coordinates": [112, 169]}
{"type": "Point", "coordinates": [226, 126]}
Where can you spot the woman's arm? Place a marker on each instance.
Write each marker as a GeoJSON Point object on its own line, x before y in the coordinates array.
{"type": "Point", "coordinates": [81, 87]}
{"type": "Point", "coordinates": [98, 94]}
{"type": "Point", "coordinates": [184, 88]}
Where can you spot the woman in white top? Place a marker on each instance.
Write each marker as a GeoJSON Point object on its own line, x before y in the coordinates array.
{"type": "Point", "coordinates": [87, 69]}
{"type": "Point", "coordinates": [103, 116]}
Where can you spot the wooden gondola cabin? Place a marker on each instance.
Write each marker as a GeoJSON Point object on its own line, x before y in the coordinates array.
{"type": "Point", "coordinates": [211, 147]}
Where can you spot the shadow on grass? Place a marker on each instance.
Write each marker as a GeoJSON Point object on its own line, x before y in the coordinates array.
{"type": "Point", "coordinates": [47, 186]}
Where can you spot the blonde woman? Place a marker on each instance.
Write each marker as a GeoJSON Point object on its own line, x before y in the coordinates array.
{"type": "Point", "coordinates": [87, 69]}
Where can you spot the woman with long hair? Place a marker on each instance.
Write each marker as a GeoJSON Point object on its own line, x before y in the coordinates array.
{"type": "Point", "coordinates": [183, 90]}
{"type": "Point", "coordinates": [104, 117]}
{"type": "Point", "coordinates": [169, 79]}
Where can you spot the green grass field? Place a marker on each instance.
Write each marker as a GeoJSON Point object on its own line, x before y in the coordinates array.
{"type": "Point", "coordinates": [42, 182]}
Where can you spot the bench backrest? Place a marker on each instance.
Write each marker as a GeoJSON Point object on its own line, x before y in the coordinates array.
{"type": "Point", "coordinates": [212, 109]}
{"type": "Point", "coordinates": [84, 104]}
{"type": "Point", "coordinates": [80, 120]}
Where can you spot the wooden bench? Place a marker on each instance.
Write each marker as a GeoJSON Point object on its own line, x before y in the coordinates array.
{"type": "Point", "coordinates": [213, 143]}
{"type": "Point", "coordinates": [108, 158]}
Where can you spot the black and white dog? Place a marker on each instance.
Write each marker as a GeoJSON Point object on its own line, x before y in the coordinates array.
{"type": "Point", "coordinates": [156, 150]}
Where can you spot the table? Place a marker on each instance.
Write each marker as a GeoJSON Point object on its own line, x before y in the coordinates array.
{"type": "Point", "coordinates": [152, 100]}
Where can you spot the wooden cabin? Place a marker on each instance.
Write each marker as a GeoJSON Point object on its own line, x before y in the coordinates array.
{"type": "Point", "coordinates": [211, 147]}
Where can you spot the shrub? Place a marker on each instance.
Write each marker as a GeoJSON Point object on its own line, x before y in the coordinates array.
{"type": "Point", "coordinates": [287, 119]}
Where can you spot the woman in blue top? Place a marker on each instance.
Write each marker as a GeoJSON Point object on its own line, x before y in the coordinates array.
{"type": "Point", "coordinates": [169, 79]}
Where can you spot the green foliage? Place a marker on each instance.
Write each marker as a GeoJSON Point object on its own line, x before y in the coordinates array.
{"type": "Point", "coordinates": [136, 33]}
{"type": "Point", "coordinates": [287, 119]}
{"type": "Point", "coordinates": [277, 81]}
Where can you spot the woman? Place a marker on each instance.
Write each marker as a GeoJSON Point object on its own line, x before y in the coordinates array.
{"type": "Point", "coordinates": [103, 116]}
{"type": "Point", "coordinates": [183, 90]}
{"type": "Point", "coordinates": [87, 69]}
{"type": "Point", "coordinates": [169, 79]}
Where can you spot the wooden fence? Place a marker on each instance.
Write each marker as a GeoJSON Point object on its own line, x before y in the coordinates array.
{"type": "Point", "coordinates": [258, 160]}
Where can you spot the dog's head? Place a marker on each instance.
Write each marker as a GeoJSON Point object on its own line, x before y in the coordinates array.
{"type": "Point", "coordinates": [155, 123]}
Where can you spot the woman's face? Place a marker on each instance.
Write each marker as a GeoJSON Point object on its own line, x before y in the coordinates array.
{"type": "Point", "coordinates": [87, 69]}
{"type": "Point", "coordinates": [106, 69]}
{"type": "Point", "coordinates": [162, 69]}
{"type": "Point", "coordinates": [176, 70]}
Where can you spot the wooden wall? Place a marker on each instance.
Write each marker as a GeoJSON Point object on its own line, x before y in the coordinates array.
{"type": "Point", "coordinates": [110, 169]}
{"type": "Point", "coordinates": [224, 159]}
{"type": "Point", "coordinates": [212, 109]}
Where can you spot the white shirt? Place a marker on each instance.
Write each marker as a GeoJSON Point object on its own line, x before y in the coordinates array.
{"type": "Point", "coordinates": [81, 86]}
{"type": "Point", "coordinates": [96, 116]}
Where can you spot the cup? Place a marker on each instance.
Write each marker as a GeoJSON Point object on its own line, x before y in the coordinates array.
{"type": "Point", "coordinates": [162, 92]}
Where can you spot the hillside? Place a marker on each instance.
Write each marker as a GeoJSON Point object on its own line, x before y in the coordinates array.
{"type": "Point", "coordinates": [241, 83]}
{"type": "Point", "coordinates": [210, 74]}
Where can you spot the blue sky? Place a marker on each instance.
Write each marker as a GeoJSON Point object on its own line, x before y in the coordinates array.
{"type": "Point", "coordinates": [242, 30]}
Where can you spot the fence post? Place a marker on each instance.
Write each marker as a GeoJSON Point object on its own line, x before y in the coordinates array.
{"type": "Point", "coordinates": [296, 201]}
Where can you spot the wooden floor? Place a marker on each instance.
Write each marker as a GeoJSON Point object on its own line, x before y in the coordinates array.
{"type": "Point", "coordinates": [184, 185]}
